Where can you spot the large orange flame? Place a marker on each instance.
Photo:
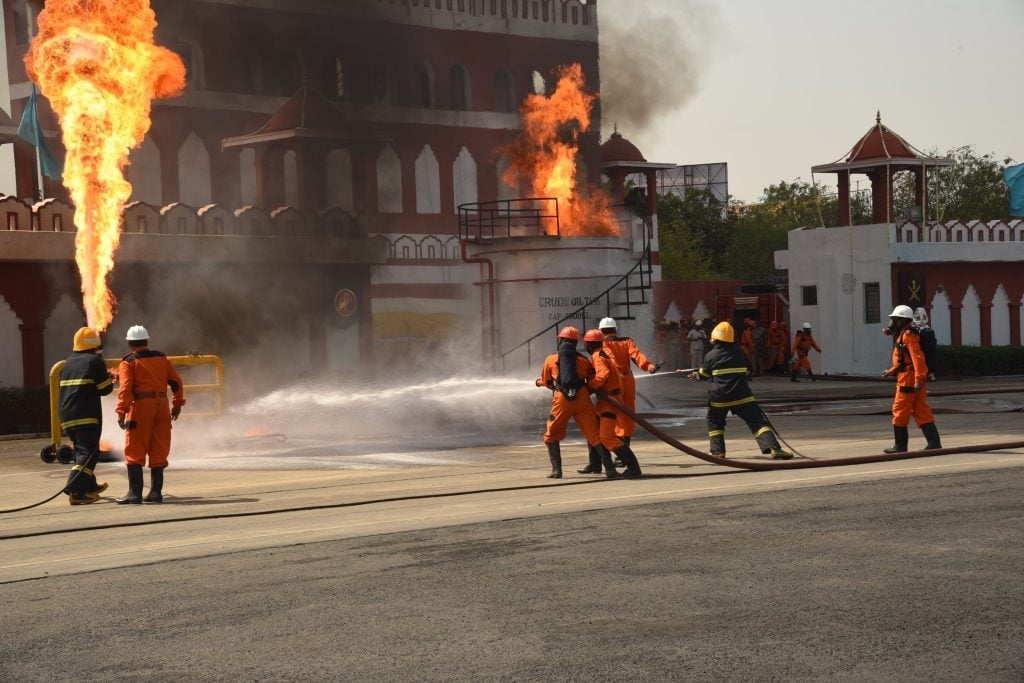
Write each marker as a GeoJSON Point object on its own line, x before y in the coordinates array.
{"type": "Point", "coordinates": [545, 155]}
{"type": "Point", "coordinates": [96, 63]}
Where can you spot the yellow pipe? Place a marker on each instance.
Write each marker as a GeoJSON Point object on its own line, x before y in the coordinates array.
{"type": "Point", "coordinates": [204, 359]}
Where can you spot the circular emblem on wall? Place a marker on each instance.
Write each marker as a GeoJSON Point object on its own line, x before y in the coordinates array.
{"type": "Point", "coordinates": [345, 302]}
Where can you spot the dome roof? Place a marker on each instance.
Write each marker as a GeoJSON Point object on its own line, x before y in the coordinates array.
{"type": "Point", "coordinates": [618, 148]}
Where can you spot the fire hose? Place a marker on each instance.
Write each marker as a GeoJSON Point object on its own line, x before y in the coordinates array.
{"type": "Point", "coordinates": [803, 464]}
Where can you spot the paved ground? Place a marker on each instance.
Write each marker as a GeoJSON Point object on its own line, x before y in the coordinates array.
{"type": "Point", "coordinates": [466, 563]}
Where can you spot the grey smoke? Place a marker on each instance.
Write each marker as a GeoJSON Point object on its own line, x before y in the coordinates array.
{"type": "Point", "coordinates": [653, 57]}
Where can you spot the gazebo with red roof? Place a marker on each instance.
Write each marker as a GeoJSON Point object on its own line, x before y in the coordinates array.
{"type": "Point", "coordinates": [620, 158]}
{"type": "Point", "coordinates": [880, 154]}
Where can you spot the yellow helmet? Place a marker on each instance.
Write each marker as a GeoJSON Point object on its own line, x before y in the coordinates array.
{"type": "Point", "coordinates": [87, 338]}
{"type": "Point", "coordinates": [723, 332]}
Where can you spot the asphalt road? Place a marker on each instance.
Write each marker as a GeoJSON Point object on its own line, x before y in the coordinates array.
{"type": "Point", "coordinates": [904, 579]}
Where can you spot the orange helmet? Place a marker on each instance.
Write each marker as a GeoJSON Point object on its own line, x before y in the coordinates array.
{"type": "Point", "coordinates": [593, 336]}
{"type": "Point", "coordinates": [569, 333]}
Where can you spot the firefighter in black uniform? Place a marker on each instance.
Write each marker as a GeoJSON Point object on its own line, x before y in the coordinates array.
{"type": "Point", "coordinates": [727, 366]}
{"type": "Point", "coordinates": [83, 379]}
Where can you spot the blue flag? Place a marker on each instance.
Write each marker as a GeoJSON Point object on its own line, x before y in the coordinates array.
{"type": "Point", "coordinates": [1014, 177]}
{"type": "Point", "coordinates": [30, 131]}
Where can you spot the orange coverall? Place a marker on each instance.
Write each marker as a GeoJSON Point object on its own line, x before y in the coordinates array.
{"type": "Point", "coordinates": [580, 408]}
{"type": "Point", "coordinates": [801, 347]}
{"type": "Point", "coordinates": [607, 379]}
{"type": "Point", "coordinates": [747, 344]}
{"type": "Point", "coordinates": [622, 351]}
{"type": "Point", "coordinates": [911, 370]}
{"type": "Point", "coordinates": [142, 400]}
{"type": "Point", "coordinates": [777, 344]}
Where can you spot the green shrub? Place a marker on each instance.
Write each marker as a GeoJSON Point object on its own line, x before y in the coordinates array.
{"type": "Point", "coordinates": [24, 411]}
{"type": "Point", "coordinates": [980, 361]}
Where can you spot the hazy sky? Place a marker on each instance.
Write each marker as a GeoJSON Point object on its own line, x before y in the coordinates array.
{"type": "Point", "coordinates": [773, 87]}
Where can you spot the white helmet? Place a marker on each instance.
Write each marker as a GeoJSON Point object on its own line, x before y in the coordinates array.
{"type": "Point", "coordinates": [920, 317]}
{"type": "Point", "coordinates": [137, 333]}
{"type": "Point", "coordinates": [806, 326]}
{"type": "Point", "coordinates": [902, 312]}
{"type": "Point", "coordinates": [607, 324]}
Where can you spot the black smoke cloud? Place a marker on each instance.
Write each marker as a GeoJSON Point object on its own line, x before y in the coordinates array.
{"type": "Point", "coordinates": [653, 56]}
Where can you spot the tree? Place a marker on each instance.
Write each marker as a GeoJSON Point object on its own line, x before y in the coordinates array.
{"type": "Point", "coordinates": [972, 188]}
{"type": "Point", "coordinates": [694, 231]}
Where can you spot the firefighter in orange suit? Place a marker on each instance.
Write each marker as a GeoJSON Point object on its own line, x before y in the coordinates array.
{"type": "Point", "coordinates": [778, 345]}
{"type": "Point", "coordinates": [143, 412]}
{"type": "Point", "coordinates": [608, 381]}
{"type": "Point", "coordinates": [83, 379]}
{"type": "Point", "coordinates": [566, 373]}
{"type": "Point", "coordinates": [747, 341]}
{"type": "Point", "coordinates": [911, 372]}
{"type": "Point", "coordinates": [623, 350]}
{"type": "Point", "coordinates": [802, 345]}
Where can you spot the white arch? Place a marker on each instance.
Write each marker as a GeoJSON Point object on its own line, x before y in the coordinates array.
{"type": "Point", "coordinates": [505, 191]}
{"type": "Point", "coordinates": [940, 322]}
{"type": "Point", "coordinates": [428, 182]}
{"type": "Point", "coordinates": [64, 321]}
{"type": "Point", "coordinates": [1000, 317]}
{"type": "Point", "coordinates": [701, 311]}
{"type": "Point", "coordinates": [11, 367]}
{"type": "Point", "coordinates": [389, 181]}
{"type": "Point", "coordinates": [247, 176]}
{"type": "Point", "coordinates": [194, 172]}
{"type": "Point", "coordinates": [143, 173]}
{"type": "Point", "coordinates": [464, 174]}
{"type": "Point", "coordinates": [339, 179]}
{"type": "Point", "coordinates": [970, 318]}
{"type": "Point", "coordinates": [291, 178]}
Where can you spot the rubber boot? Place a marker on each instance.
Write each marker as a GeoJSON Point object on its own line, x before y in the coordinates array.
{"type": "Point", "coordinates": [902, 437]}
{"type": "Point", "coordinates": [555, 455]}
{"type": "Point", "coordinates": [593, 465]}
{"type": "Point", "coordinates": [618, 461]}
{"type": "Point", "coordinates": [134, 495]}
{"type": "Point", "coordinates": [811, 375]}
{"type": "Point", "coordinates": [792, 376]}
{"type": "Point", "coordinates": [156, 486]}
{"type": "Point", "coordinates": [606, 460]}
{"type": "Point", "coordinates": [931, 432]}
{"type": "Point", "coordinates": [627, 456]}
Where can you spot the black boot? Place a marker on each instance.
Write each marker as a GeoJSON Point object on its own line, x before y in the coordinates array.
{"type": "Point", "coordinates": [134, 495]}
{"type": "Point", "coordinates": [627, 456]}
{"type": "Point", "coordinates": [931, 432]}
{"type": "Point", "coordinates": [792, 377]}
{"type": "Point", "coordinates": [555, 455]}
{"type": "Point", "coordinates": [593, 465]}
{"type": "Point", "coordinates": [156, 486]}
{"type": "Point", "coordinates": [606, 460]}
{"type": "Point", "coordinates": [811, 375]}
{"type": "Point", "coordinates": [902, 437]}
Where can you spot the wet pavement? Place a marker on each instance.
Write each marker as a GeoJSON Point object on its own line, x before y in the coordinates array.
{"type": "Point", "coordinates": [303, 519]}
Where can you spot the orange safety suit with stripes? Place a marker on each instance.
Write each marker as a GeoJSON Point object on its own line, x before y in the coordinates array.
{"type": "Point", "coordinates": [747, 344]}
{"type": "Point", "coordinates": [802, 346]}
{"type": "Point", "coordinates": [911, 371]}
{"type": "Point", "coordinates": [623, 350]}
{"type": "Point", "coordinates": [580, 408]}
{"type": "Point", "coordinates": [607, 380]}
{"type": "Point", "coordinates": [778, 342]}
{"type": "Point", "coordinates": [142, 403]}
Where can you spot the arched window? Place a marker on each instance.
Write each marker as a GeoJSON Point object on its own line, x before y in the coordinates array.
{"type": "Point", "coordinates": [192, 57]}
{"type": "Point", "coordinates": [458, 88]}
{"type": "Point", "coordinates": [464, 176]}
{"type": "Point", "coordinates": [382, 86]}
{"type": "Point", "coordinates": [194, 172]}
{"type": "Point", "coordinates": [425, 85]}
{"type": "Point", "coordinates": [504, 91]}
{"type": "Point", "coordinates": [428, 185]}
{"type": "Point", "coordinates": [339, 77]}
{"type": "Point", "coordinates": [144, 173]}
{"type": "Point", "coordinates": [540, 86]}
{"type": "Point", "coordinates": [389, 181]}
